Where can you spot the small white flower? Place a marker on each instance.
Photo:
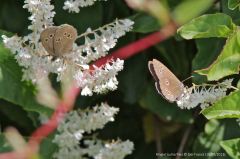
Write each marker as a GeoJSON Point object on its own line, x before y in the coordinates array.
{"type": "Point", "coordinates": [93, 147]}
{"type": "Point", "coordinates": [14, 43]}
{"type": "Point", "coordinates": [227, 82]}
{"type": "Point", "coordinates": [119, 30]}
{"type": "Point", "coordinates": [128, 24]}
{"type": "Point", "coordinates": [73, 5]}
{"type": "Point", "coordinates": [86, 91]}
{"type": "Point", "coordinates": [204, 105]}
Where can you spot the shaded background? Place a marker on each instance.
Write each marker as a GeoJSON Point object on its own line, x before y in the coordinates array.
{"type": "Point", "coordinates": [140, 104]}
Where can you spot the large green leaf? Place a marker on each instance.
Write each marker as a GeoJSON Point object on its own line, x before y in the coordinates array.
{"type": "Point", "coordinates": [234, 14]}
{"type": "Point", "coordinates": [232, 4]}
{"type": "Point", "coordinates": [12, 88]}
{"type": "Point", "coordinates": [227, 62]}
{"type": "Point", "coordinates": [209, 140]}
{"type": "Point", "coordinates": [226, 107]}
{"type": "Point", "coordinates": [232, 147]}
{"type": "Point", "coordinates": [17, 115]}
{"type": "Point", "coordinates": [209, 48]}
{"type": "Point", "coordinates": [163, 108]}
{"type": "Point", "coordinates": [215, 132]}
{"type": "Point", "coordinates": [212, 25]}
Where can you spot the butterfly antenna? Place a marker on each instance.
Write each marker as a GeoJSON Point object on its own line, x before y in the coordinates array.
{"type": "Point", "coordinates": [187, 78]}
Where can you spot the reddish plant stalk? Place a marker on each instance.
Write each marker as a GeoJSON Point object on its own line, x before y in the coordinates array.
{"type": "Point", "coordinates": [139, 45]}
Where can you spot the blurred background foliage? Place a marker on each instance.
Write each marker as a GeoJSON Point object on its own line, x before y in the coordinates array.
{"type": "Point", "coordinates": [140, 104]}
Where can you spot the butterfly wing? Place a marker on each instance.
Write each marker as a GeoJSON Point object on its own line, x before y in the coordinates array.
{"type": "Point", "coordinates": [167, 84]}
{"type": "Point", "coordinates": [47, 38]}
{"type": "Point", "coordinates": [64, 38]}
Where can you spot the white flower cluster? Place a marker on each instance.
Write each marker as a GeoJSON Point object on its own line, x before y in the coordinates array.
{"type": "Point", "coordinates": [76, 123]}
{"type": "Point", "coordinates": [34, 58]}
{"type": "Point", "coordinates": [103, 79]}
{"type": "Point", "coordinates": [205, 97]}
{"type": "Point", "coordinates": [115, 150]}
{"type": "Point", "coordinates": [98, 150]}
{"type": "Point", "coordinates": [73, 5]}
{"type": "Point", "coordinates": [88, 120]}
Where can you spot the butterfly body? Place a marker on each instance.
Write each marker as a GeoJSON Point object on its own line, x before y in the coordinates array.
{"type": "Point", "coordinates": [167, 84]}
{"type": "Point", "coordinates": [58, 41]}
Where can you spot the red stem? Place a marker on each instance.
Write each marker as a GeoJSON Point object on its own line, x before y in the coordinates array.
{"type": "Point", "coordinates": [65, 105]}
{"type": "Point", "coordinates": [139, 45]}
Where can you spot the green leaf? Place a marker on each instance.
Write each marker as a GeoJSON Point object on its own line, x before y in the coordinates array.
{"type": "Point", "coordinates": [12, 88]}
{"type": "Point", "coordinates": [226, 107]}
{"type": "Point", "coordinates": [132, 80]}
{"type": "Point", "coordinates": [47, 148]}
{"type": "Point", "coordinates": [232, 147]}
{"type": "Point", "coordinates": [163, 108]}
{"type": "Point", "coordinates": [16, 114]}
{"type": "Point", "coordinates": [227, 62]}
{"type": "Point", "coordinates": [190, 9]}
{"type": "Point", "coordinates": [209, 48]}
{"type": "Point", "coordinates": [212, 25]}
{"type": "Point", "coordinates": [4, 146]}
{"type": "Point", "coordinates": [209, 140]}
{"type": "Point", "coordinates": [215, 132]}
{"type": "Point", "coordinates": [234, 14]}
{"type": "Point", "coordinates": [145, 23]}
{"type": "Point", "coordinates": [232, 4]}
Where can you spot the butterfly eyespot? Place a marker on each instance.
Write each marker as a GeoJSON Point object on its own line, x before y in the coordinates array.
{"type": "Point", "coordinates": [161, 67]}
{"type": "Point", "coordinates": [166, 89]}
{"type": "Point", "coordinates": [65, 33]}
{"type": "Point", "coordinates": [166, 81]}
{"type": "Point", "coordinates": [51, 35]}
{"type": "Point", "coordinates": [168, 93]}
{"type": "Point", "coordinates": [46, 40]}
{"type": "Point", "coordinates": [69, 35]}
{"type": "Point", "coordinates": [160, 71]}
{"type": "Point", "coordinates": [58, 40]}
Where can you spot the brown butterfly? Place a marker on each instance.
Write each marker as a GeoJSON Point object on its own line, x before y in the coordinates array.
{"type": "Point", "coordinates": [167, 84]}
{"type": "Point", "coordinates": [58, 41]}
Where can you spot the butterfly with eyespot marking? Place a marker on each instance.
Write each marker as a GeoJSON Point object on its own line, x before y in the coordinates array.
{"type": "Point", "coordinates": [58, 40]}
{"type": "Point", "coordinates": [167, 84]}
